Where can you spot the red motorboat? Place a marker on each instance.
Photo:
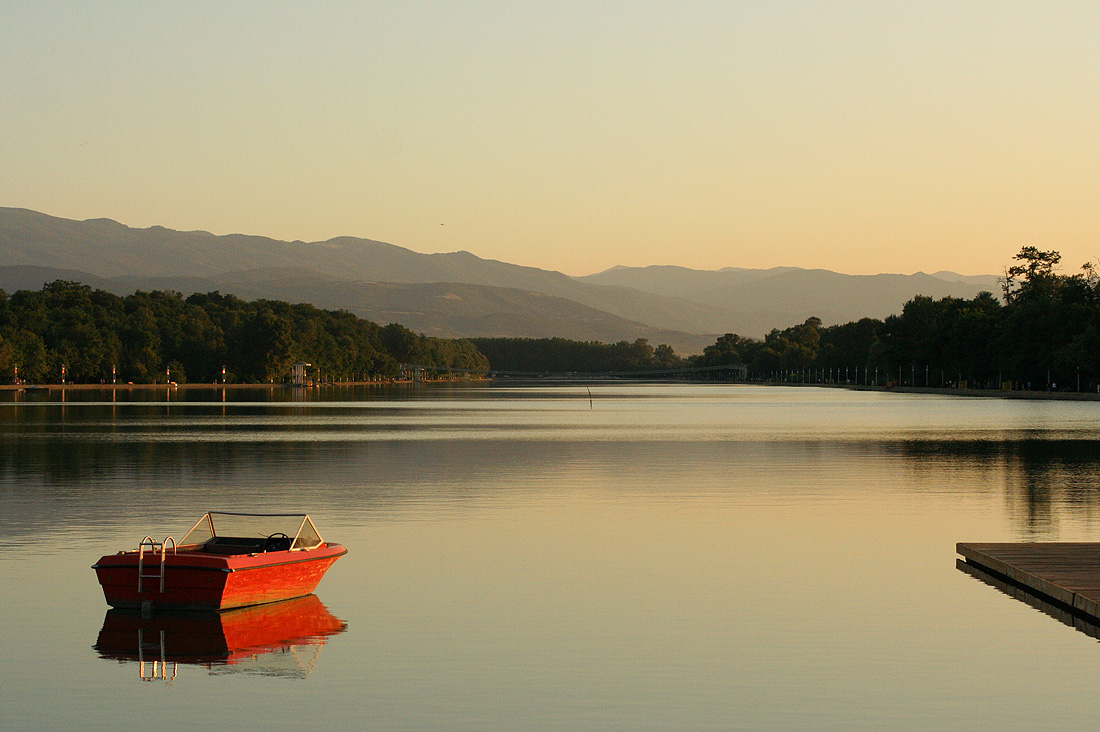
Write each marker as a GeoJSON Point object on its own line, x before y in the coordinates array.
{"type": "Point", "coordinates": [226, 560]}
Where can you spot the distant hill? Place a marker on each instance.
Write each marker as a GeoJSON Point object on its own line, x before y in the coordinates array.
{"type": "Point", "coordinates": [442, 309]}
{"type": "Point", "coordinates": [456, 294]}
{"type": "Point", "coordinates": [762, 299]}
{"type": "Point", "coordinates": [28, 277]}
{"type": "Point", "coordinates": [692, 284]}
{"type": "Point", "coordinates": [108, 249]}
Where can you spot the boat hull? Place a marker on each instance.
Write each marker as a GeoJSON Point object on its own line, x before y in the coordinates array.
{"type": "Point", "coordinates": [195, 580]}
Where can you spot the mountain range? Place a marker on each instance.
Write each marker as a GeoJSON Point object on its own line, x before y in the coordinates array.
{"type": "Point", "coordinates": [456, 294]}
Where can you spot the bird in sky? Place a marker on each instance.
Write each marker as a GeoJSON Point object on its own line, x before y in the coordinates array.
{"type": "Point", "coordinates": [85, 144]}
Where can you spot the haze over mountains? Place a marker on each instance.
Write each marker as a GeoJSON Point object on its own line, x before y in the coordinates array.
{"type": "Point", "coordinates": [456, 294]}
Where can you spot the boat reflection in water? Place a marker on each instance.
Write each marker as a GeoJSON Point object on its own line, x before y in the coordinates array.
{"type": "Point", "coordinates": [276, 639]}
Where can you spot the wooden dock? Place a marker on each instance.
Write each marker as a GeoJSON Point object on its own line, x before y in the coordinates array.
{"type": "Point", "coordinates": [1062, 578]}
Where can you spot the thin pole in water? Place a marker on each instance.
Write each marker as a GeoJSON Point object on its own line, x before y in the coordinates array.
{"type": "Point", "coordinates": [589, 396]}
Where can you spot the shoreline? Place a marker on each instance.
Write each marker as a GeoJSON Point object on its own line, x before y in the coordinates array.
{"type": "Point", "coordinates": [183, 387]}
{"type": "Point", "coordinates": [1068, 396]}
{"type": "Point", "coordinates": [1072, 396]}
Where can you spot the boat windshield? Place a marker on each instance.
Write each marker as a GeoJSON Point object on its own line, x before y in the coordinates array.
{"type": "Point", "coordinates": [297, 527]}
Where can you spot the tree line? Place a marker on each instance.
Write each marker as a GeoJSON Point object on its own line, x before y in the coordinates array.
{"type": "Point", "coordinates": [149, 337]}
{"type": "Point", "coordinates": [561, 355]}
{"type": "Point", "coordinates": [1043, 333]}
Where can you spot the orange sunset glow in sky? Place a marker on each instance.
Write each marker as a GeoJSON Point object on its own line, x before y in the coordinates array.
{"type": "Point", "coordinates": [857, 137]}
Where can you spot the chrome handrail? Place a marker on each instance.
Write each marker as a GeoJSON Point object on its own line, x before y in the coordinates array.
{"type": "Point", "coordinates": [153, 546]}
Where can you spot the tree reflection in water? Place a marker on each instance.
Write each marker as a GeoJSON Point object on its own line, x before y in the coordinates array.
{"type": "Point", "coordinates": [1042, 479]}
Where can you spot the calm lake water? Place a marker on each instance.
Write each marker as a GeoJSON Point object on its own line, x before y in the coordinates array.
{"type": "Point", "coordinates": [657, 557]}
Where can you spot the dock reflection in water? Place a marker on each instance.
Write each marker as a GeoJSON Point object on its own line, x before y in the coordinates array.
{"type": "Point", "coordinates": [277, 639]}
{"type": "Point", "coordinates": [1061, 612]}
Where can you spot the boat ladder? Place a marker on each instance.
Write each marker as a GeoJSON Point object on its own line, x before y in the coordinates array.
{"type": "Point", "coordinates": [153, 547]}
{"type": "Point", "coordinates": [158, 669]}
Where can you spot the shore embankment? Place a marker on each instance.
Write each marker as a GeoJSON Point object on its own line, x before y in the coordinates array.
{"type": "Point", "coordinates": [942, 391]}
{"type": "Point", "coordinates": [185, 387]}
{"type": "Point", "coordinates": [1069, 396]}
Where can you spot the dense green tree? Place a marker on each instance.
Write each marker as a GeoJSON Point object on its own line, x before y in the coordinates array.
{"type": "Point", "coordinates": [726, 351]}
{"type": "Point", "coordinates": [1035, 269]}
{"type": "Point", "coordinates": [263, 349]}
{"type": "Point", "coordinates": [849, 345]}
{"type": "Point", "coordinates": [1045, 332]}
{"type": "Point", "coordinates": [155, 336]}
{"type": "Point", "coordinates": [560, 355]}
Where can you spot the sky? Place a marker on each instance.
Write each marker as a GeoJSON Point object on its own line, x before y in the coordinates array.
{"type": "Point", "coordinates": [860, 137]}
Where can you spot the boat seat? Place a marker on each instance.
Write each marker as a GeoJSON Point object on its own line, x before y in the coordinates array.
{"type": "Point", "coordinates": [232, 545]}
